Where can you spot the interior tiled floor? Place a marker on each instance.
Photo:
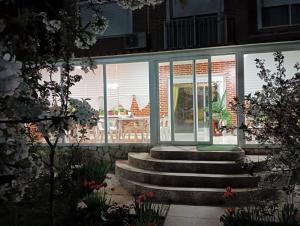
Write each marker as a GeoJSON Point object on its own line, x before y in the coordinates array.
{"type": "Point", "coordinates": [225, 139]}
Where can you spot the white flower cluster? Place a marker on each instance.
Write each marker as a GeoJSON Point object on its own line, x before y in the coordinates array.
{"type": "Point", "coordinates": [137, 4]}
{"type": "Point", "coordinates": [99, 24]}
{"type": "Point", "coordinates": [14, 152]}
{"type": "Point", "coordinates": [52, 26]}
{"type": "Point", "coordinates": [85, 41]}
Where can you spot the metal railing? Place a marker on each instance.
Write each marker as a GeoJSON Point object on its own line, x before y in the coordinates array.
{"type": "Point", "coordinates": [198, 31]}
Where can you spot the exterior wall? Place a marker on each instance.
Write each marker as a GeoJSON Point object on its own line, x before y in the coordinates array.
{"type": "Point", "coordinates": [151, 20]}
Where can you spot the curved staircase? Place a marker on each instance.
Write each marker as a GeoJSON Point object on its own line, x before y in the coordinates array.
{"type": "Point", "coordinates": [182, 174]}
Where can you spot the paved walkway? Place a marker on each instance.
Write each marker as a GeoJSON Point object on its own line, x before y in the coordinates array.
{"type": "Point", "coordinates": [182, 215]}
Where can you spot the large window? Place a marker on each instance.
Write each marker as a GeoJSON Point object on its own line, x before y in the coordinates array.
{"type": "Point", "coordinates": [253, 83]}
{"type": "Point", "coordinates": [128, 106]}
{"type": "Point", "coordinates": [126, 116]}
{"type": "Point", "coordinates": [278, 13]}
{"type": "Point", "coordinates": [120, 20]}
{"type": "Point", "coordinates": [90, 88]}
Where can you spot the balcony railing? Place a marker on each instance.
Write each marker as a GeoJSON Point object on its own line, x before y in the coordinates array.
{"type": "Point", "coordinates": [199, 31]}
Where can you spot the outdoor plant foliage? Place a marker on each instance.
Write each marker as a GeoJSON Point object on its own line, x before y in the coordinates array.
{"type": "Point", "coordinates": [259, 211]}
{"type": "Point", "coordinates": [38, 39]}
{"type": "Point", "coordinates": [273, 117]}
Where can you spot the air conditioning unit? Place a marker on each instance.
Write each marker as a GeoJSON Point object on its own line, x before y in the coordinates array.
{"type": "Point", "coordinates": [135, 40]}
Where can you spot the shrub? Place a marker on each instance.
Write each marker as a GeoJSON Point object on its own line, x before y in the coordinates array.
{"type": "Point", "coordinates": [149, 212]}
{"type": "Point", "coordinates": [95, 172]}
{"type": "Point", "coordinates": [261, 216]}
{"type": "Point", "coordinates": [93, 208]}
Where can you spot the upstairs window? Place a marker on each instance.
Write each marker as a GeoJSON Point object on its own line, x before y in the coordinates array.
{"type": "Point", "coordinates": [278, 13]}
{"type": "Point", "coordinates": [186, 8]}
{"type": "Point", "coordinates": [119, 19]}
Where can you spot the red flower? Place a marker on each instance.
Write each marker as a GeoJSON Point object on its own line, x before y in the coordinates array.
{"type": "Point", "coordinates": [231, 211]}
{"type": "Point", "coordinates": [149, 195]}
{"type": "Point", "coordinates": [141, 198]}
{"type": "Point", "coordinates": [229, 193]}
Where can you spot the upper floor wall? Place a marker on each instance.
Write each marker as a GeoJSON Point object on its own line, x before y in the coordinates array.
{"type": "Point", "coordinates": [185, 24]}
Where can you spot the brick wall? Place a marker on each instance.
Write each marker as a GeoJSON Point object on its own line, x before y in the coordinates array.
{"type": "Point", "coordinates": [136, 111]}
{"type": "Point", "coordinates": [224, 68]}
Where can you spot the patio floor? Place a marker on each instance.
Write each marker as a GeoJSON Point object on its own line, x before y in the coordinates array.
{"type": "Point", "coordinates": [182, 215]}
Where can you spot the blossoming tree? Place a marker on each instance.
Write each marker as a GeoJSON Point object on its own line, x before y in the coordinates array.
{"type": "Point", "coordinates": [33, 40]}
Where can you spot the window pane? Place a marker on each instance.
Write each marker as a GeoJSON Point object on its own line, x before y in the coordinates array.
{"type": "Point", "coordinates": [296, 14]}
{"type": "Point", "coordinates": [275, 16]}
{"type": "Point", "coordinates": [269, 3]}
{"type": "Point", "coordinates": [183, 101]}
{"type": "Point", "coordinates": [164, 101]}
{"type": "Point", "coordinates": [128, 105]}
{"type": "Point", "coordinates": [90, 86]}
{"type": "Point", "coordinates": [223, 92]}
{"type": "Point", "coordinates": [193, 8]}
{"type": "Point", "coordinates": [202, 98]}
{"type": "Point", "coordinates": [253, 83]}
{"type": "Point", "coordinates": [120, 20]}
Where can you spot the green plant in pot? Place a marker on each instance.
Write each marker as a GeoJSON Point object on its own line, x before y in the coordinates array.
{"type": "Point", "coordinates": [220, 115]}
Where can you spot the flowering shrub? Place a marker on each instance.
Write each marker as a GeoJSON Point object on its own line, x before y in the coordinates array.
{"type": "Point", "coordinates": [148, 212]}
{"type": "Point", "coordinates": [33, 40]}
{"type": "Point", "coordinates": [272, 115]}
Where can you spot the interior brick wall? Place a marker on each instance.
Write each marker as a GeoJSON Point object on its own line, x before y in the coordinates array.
{"type": "Point", "coordinates": [136, 111]}
{"type": "Point", "coordinates": [224, 68]}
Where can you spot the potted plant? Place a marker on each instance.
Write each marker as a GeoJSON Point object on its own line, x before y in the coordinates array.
{"type": "Point", "coordinates": [220, 115]}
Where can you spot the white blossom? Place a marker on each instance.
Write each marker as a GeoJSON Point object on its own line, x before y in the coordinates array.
{"type": "Point", "coordinates": [85, 41]}
{"type": "Point", "coordinates": [137, 4]}
{"type": "Point", "coordinates": [52, 26]}
{"type": "Point", "coordinates": [99, 25]}
{"type": "Point", "coordinates": [81, 205]}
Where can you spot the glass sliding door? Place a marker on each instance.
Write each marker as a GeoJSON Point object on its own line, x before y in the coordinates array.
{"type": "Point", "coordinates": [164, 101]}
{"type": "Point", "coordinates": [223, 70]}
{"type": "Point", "coordinates": [202, 100]}
{"type": "Point", "coordinates": [184, 101]}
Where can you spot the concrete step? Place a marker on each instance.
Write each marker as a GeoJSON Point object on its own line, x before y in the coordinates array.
{"type": "Point", "coordinates": [146, 162]}
{"type": "Point", "coordinates": [200, 180]}
{"type": "Point", "coordinates": [191, 153]}
{"type": "Point", "coordinates": [189, 196]}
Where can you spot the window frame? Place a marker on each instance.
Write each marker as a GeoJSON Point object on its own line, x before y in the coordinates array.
{"type": "Point", "coordinates": [289, 3]}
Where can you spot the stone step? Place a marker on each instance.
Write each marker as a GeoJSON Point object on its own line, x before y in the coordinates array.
{"type": "Point", "coordinates": [189, 196]}
{"type": "Point", "coordinates": [191, 153]}
{"type": "Point", "coordinates": [146, 162]}
{"type": "Point", "coordinates": [124, 170]}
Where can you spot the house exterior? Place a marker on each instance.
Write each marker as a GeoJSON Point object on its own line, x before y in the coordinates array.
{"type": "Point", "coordinates": [162, 70]}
